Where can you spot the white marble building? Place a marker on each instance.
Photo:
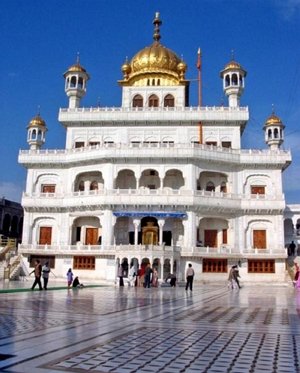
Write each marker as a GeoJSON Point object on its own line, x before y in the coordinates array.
{"type": "Point", "coordinates": [156, 180]}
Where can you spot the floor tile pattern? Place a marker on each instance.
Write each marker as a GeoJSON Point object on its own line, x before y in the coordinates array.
{"type": "Point", "coordinates": [173, 350]}
{"type": "Point", "coordinates": [101, 330]}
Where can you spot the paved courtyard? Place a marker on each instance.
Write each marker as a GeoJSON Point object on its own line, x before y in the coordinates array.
{"type": "Point", "coordinates": [130, 330]}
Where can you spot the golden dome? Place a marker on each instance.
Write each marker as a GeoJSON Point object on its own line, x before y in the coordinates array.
{"type": "Point", "coordinates": [37, 121]}
{"type": "Point", "coordinates": [76, 68]}
{"type": "Point", "coordinates": [156, 59]}
{"type": "Point", "coordinates": [126, 69]}
{"type": "Point", "coordinates": [273, 120]}
{"type": "Point", "coordinates": [233, 65]}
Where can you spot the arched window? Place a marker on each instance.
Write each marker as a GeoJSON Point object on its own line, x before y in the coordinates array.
{"type": "Point", "coordinates": [276, 133]}
{"type": "Point", "coordinates": [153, 81]}
{"type": "Point", "coordinates": [148, 81]}
{"type": "Point", "coordinates": [227, 80]}
{"type": "Point", "coordinates": [210, 187]}
{"type": "Point", "coordinates": [269, 134]}
{"type": "Point", "coordinates": [94, 185]}
{"type": "Point", "coordinates": [34, 135]}
{"type": "Point", "coordinates": [158, 81]}
{"type": "Point", "coordinates": [137, 101]}
{"type": "Point", "coordinates": [73, 82]}
{"type": "Point", "coordinates": [40, 137]}
{"type": "Point", "coordinates": [234, 79]}
{"type": "Point", "coordinates": [169, 101]}
{"type": "Point", "coordinates": [153, 101]}
{"type": "Point", "coordinates": [80, 83]}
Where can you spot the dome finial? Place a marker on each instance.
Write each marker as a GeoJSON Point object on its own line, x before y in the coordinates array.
{"type": "Point", "coordinates": [232, 54]}
{"type": "Point", "coordinates": [157, 22]}
{"type": "Point", "coordinates": [39, 110]}
{"type": "Point", "coordinates": [78, 58]}
{"type": "Point", "coordinates": [273, 109]}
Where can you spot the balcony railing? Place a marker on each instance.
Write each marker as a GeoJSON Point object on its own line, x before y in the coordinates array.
{"type": "Point", "coordinates": [156, 109]}
{"type": "Point", "coordinates": [224, 250]}
{"type": "Point", "coordinates": [156, 192]}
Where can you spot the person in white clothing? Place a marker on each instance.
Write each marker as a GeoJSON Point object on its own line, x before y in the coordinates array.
{"type": "Point", "coordinates": [132, 276]}
{"type": "Point", "coordinates": [189, 277]}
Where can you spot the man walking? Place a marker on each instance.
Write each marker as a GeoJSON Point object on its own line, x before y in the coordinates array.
{"type": "Point", "coordinates": [45, 274]}
{"type": "Point", "coordinates": [37, 273]}
{"type": "Point", "coordinates": [189, 277]}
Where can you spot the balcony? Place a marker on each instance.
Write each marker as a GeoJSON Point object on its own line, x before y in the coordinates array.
{"type": "Point", "coordinates": [138, 115]}
{"type": "Point", "coordinates": [144, 196]}
{"type": "Point", "coordinates": [151, 251]}
{"type": "Point", "coordinates": [104, 153]}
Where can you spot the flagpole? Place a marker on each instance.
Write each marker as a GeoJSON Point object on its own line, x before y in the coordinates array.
{"type": "Point", "coordinates": [199, 93]}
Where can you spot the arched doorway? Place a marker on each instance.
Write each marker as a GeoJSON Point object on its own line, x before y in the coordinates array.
{"type": "Point", "coordinates": [150, 231]}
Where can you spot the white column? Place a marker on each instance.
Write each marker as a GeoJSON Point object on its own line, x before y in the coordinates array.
{"type": "Point", "coordinates": [136, 223]}
{"type": "Point", "coordinates": [161, 182]}
{"type": "Point", "coordinates": [27, 229]}
{"type": "Point", "coordinates": [162, 260]}
{"type": "Point", "coordinates": [190, 177]}
{"type": "Point", "coordinates": [190, 231]}
{"type": "Point", "coordinates": [108, 221]}
{"type": "Point", "coordinates": [161, 223]}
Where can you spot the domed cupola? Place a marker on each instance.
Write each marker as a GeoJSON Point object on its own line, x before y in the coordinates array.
{"type": "Point", "coordinates": [36, 131]}
{"type": "Point", "coordinates": [76, 79]}
{"type": "Point", "coordinates": [154, 65]}
{"type": "Point", "coordinates": [274, 131]}
{"type": "Point", "coordinates": [233, 76]}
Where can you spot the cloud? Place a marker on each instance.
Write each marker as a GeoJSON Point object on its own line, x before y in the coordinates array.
{"type": "Point", "coordinates": [11, 191]}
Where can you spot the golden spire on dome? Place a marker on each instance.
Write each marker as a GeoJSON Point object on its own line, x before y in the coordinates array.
{"type": "Point", "coordinates": [157, 22]}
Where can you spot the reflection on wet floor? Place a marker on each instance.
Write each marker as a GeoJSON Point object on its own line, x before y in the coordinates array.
{"type": "Point", "coordinates": [164, 330]}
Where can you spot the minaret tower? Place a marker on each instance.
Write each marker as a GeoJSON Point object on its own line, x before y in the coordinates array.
{"type": "Point", "coordinates": [76, 78]}
{"type": "Point", "coordinates": [233, 77]}
{"type": "Point", "coordinates": [36, 131]}
{"type": "Point", "coordinates": [274, 131]}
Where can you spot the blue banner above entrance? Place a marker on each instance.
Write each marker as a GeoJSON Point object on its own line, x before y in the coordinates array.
{"type": "Point", "coordinates": [142, 214]}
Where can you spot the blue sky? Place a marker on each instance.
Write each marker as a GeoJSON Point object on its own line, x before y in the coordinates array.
{"type": "Point", "coordinates": [39, 40]}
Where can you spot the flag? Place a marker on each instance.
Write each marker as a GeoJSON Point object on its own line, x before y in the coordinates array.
{"type": "Point", "coordinates": [199, 59]}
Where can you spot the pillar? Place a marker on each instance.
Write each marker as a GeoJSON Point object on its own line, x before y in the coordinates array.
{"type": "Point", "coordinates": [136, 223]}
{"type": "Point", "coordinates": [108, 221]}
{"type": "Point", "coordinates": [161, 223]}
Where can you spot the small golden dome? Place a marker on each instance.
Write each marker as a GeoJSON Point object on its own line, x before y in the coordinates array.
{"type": "Point", "coordinates": [233, 65]}
{"type": "Point", "coordinates": [126, 68]}
{"type": "Point", "coordinates": [76, 68]}
{"type": "Point", "coordinates": [182, 66]}
{"type": "Point", "coordinates": [273, 120]}
{"type": "Point", "coordinates": [37, 121]}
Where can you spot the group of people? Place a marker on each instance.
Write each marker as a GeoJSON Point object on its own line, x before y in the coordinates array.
{"type": "Point", "coordinates": [43, 272]}
{"type": "Point", "coordinates": [145, 276]}
{"type": "Point", "coordinates": [233, 278]}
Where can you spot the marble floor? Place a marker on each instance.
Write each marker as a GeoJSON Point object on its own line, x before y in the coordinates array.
{"type": "Point", "coordinates": [165, 330]}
